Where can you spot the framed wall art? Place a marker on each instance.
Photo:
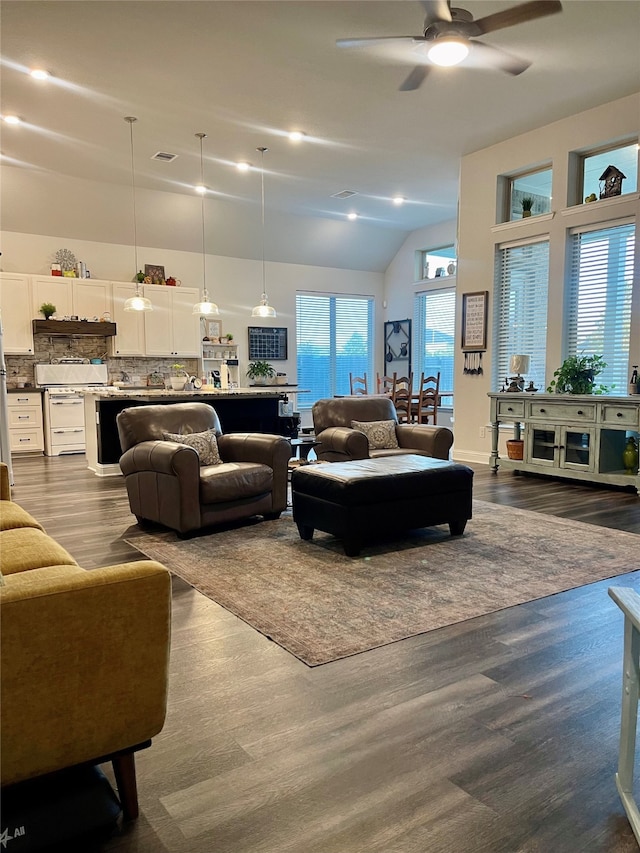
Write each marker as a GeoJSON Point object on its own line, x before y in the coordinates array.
{"type": "Point", "coordinates": [213, 328]}
{"type": "Point", "coordinates": [155, 273]}
{"type": "Point", "coordinates": [474, 320]}
{"type": "Point", "coordinates": [397, 347]}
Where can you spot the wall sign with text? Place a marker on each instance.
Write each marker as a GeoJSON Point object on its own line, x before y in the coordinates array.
{"type": "Point", "coordinates": [474, 320]}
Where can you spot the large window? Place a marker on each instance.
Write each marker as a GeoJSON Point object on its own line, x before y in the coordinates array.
{"type": "Point", "coordinates": [434, 325]}
{"type": "Point", "coordinates": [599, 303]}
{"type": "Point", "coordinates": [334, 339]}
{"type": "Point", "coordinates": [520, 310]}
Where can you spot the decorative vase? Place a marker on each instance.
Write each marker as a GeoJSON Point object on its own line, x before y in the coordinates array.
{"type": "Point", "coordinates": [178, 382]}
{"type": "Point", "coordinates": [630, 456]}
{"type": "Point", "coordinates": [526, 214]}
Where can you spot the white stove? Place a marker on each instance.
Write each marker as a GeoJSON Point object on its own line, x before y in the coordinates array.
{"type": "Point", "coordinates": [64, 429]}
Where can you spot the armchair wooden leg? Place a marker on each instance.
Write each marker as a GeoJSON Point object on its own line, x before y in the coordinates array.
{"type": "Point", "coordinates": [124, 769]}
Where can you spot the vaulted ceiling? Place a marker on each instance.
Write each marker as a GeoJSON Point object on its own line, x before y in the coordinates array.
{"type": "Point", "coordinates": [247, 73]}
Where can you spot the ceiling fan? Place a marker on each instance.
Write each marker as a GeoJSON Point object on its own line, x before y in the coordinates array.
{"type": "Point", "coordinates": [450, 35]}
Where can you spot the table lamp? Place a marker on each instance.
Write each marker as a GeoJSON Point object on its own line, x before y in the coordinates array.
{"type": "Point", "coordinates": [518, 364]}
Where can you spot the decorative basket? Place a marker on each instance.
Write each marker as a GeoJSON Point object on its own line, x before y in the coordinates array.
{"type": "Point", "coordinates": [515, 449]}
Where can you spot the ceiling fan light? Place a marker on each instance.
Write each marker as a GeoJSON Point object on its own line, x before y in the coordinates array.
{"type": "Point", "coordinates": [448, 51]}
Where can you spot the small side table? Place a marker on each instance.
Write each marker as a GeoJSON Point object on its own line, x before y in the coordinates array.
{"type": "Point", "coordinates": [303, 445]}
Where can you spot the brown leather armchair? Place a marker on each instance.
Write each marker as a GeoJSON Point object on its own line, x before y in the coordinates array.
{"type": "Point", "coordinates": [338, 442]}
{"type": "Point", "coordinates": [166, 483]}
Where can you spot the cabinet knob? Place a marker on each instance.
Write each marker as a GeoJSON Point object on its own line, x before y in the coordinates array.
{"type": "Point", "coordinates": [509, 409]}
{"type": "Point", "coordinates": [618, 414]}
{"type": "Point", "coordinates": [542, 411]}
{"type": "Point", "coordinates": [580, 412]}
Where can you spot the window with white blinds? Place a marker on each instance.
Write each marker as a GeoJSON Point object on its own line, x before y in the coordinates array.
{"type": "Point", "coordinates": [599, 303]}
{"type": "Point", "coordinates": [434, 337]}
{"type": "Point", "coordinates": [520, 309]}
{"type": "Point", "coordinates": [334, 338]}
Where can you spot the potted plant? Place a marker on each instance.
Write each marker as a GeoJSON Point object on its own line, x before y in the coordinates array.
{"type": "Point", "coordinates": [261, 372]}
{"type": "Point", "coordinates": [577, 375]}
{"type": "Point", "coordinates": [178, 377]}
{"type": "Point", "coordinates": [527, 205]}
{"type": "Point", "coordinates": [48, 309]}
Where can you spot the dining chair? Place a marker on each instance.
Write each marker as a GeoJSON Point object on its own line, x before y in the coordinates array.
{"type": "Point", "coordinates": [401, 396]}
{"type": "Point", "coordinates": [358, 384]}
{"type": "Point", "coordinates": [384, 384]}
{"type": "Point", "coordinates": [428, 399]}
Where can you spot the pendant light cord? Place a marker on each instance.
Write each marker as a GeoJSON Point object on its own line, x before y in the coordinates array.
{"type": "Point", "coordinates": [201, 136]}
{"type": "Point", "coordinates": [264, 275]}
{"type": "Point", "coordinates": [131, 120]}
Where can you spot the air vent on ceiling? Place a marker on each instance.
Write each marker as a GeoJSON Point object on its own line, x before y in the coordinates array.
{"type": "Point", "coordinates": [164, 156]}
{"type": "Point", "coordinates": [344, 194]}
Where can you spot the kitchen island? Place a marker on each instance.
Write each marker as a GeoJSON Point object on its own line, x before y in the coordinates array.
{"type": "Point", "coordinates": [239, 410]}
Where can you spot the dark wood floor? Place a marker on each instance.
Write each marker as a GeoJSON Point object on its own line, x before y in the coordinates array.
{"type": "Point", "coordinates": [497, 735]}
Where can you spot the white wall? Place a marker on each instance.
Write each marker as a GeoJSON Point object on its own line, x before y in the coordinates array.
{"type": "Point", "coordinates": [478, 235]}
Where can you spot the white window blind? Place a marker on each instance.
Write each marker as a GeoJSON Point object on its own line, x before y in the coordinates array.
{"type": "Point", "coordinates": [334, 338]}
{"type": "Point", "coordinates": [434, 336]}
{"type": "Point", "coordinates": [520, 310]}
{"type": "Point", "coordinates": [599, 303]}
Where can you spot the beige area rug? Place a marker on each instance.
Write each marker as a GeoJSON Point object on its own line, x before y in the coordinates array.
{"type": "Point", "coordinates": [321, 605]}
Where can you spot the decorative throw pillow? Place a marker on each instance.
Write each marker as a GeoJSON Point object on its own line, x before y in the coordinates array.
{"type": "Point", "coordinates": [204, 443]}
{"type": "Point", "coordinates": [381, 434]}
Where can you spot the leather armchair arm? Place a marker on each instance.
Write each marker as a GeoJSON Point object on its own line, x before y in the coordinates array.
{"type": "Point", "coordinates": [434, 440]}
{"type": "Point", "coordinates": [161, 457]}
{"type": "Point", "coordinates": [340, 444]}
{"type": "Point", "coordinates": [271, 450]}
{"type": "Point", "coordinates": [5, 488]}
{"type": "Point", "coordinates": [85, 658]}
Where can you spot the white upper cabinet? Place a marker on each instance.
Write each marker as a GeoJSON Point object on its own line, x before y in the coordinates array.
{"type": "Point", "coordinates": [15, 304]}
{"type": "Point", "coordinates": [55, 289]}
{"type": "Point", "coordinates": [129, 339]}
{"type": "Point", "coordinates": [84, 298]}
{"type": "Point", "coordinates": [172, 329]}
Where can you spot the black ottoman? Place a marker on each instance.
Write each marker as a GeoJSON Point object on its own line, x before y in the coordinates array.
{"type": "Point", "coordinates": [390, 494]}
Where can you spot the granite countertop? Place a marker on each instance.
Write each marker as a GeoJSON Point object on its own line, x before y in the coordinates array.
{"type": "Point", "coordinates": [30, 389]}
{"type": "Point", "coordinates": [112, 393]}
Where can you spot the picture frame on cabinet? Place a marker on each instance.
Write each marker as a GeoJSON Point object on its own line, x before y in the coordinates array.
{"type": "Point", "coordinates": [155, 272]}
{"type": "Point", "coordinates": [213, 329]}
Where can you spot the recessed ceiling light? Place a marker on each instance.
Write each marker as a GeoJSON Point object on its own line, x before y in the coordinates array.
{"type": "Point", "coordinates": [200, 189]}
{"type": "Point", "coordinates": [39, 74]}
{"type": "Point", "coordinates": [296, 135]}
{"type": "Point", "coordinates": [11, 119]}
{"type": "Point", "coordinates": [242, 167]}
{"type": "Point", "coordinates": [352, 215]}
{"type": "Point", "coordinates": [398, 199]}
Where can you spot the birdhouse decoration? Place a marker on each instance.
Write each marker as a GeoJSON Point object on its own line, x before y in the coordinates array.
{"type": "Point", "coordinates": [611, 182]}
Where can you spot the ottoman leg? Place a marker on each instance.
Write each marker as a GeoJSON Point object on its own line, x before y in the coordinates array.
{"type": "Point", "coordinates": [351, 547]}
{"type": "Point", "coordinates": [305, 531]}
{"type": "Point", "coordinates": [456, 528]}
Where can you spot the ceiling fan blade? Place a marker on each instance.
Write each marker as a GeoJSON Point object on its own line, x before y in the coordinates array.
{"type": "Point", "coordinates": [436, 10]}
{"type": "Point", "coordinates": [363, 42]}
{"type": "Point", "coordinates": [517, 15]}
{"type": "Point", "coordinates": [497, 58]}
{"type": "Point", "coordinates": [415, 79]}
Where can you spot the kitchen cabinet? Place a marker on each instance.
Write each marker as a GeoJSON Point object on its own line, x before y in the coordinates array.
{"type": "Point", "coordinates": [16, 307]}
{"type": "Point", "coordinates": [26, 434]}
{"type": "Point", "coordinates": [84, 298]}
{"type": "Point", "coordinates": [172, 329]}
{"type": "Point", "coordinates": [574, 436]}
{"type": "Point", "coordinates": [129, 339]}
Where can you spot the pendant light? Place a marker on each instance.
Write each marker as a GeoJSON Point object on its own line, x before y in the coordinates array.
{"type": "Point", "coordinates": [263, 309]}
{"type": "Point", "coordinates": [137, 302]}
{"type": "Point", "coordinates": [205, 308]}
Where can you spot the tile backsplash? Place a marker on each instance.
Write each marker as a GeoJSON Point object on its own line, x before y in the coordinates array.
{"type": "Point", "coordinates": [21, 368]}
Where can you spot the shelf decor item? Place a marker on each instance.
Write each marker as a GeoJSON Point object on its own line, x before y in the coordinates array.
{"type": "Point", "coordinates": [527, 205]}
{"type": "Point", "coordinates": [48, 309]}
{"type": "Point", "coordinates": [630, 456]}
{"type": "Point", "coordinates": [67, 261]}
{"type": "Point", "coordinates": [577, 375]}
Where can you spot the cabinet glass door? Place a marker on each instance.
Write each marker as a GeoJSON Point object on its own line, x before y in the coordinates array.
{"type": "Point", "coordinates": [542, 445]}
{"type": "Point", "coordinates": [577, 448]}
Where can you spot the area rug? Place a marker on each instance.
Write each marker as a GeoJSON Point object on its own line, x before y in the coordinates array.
{"type": "Point", "coordinates": [321, 605]}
